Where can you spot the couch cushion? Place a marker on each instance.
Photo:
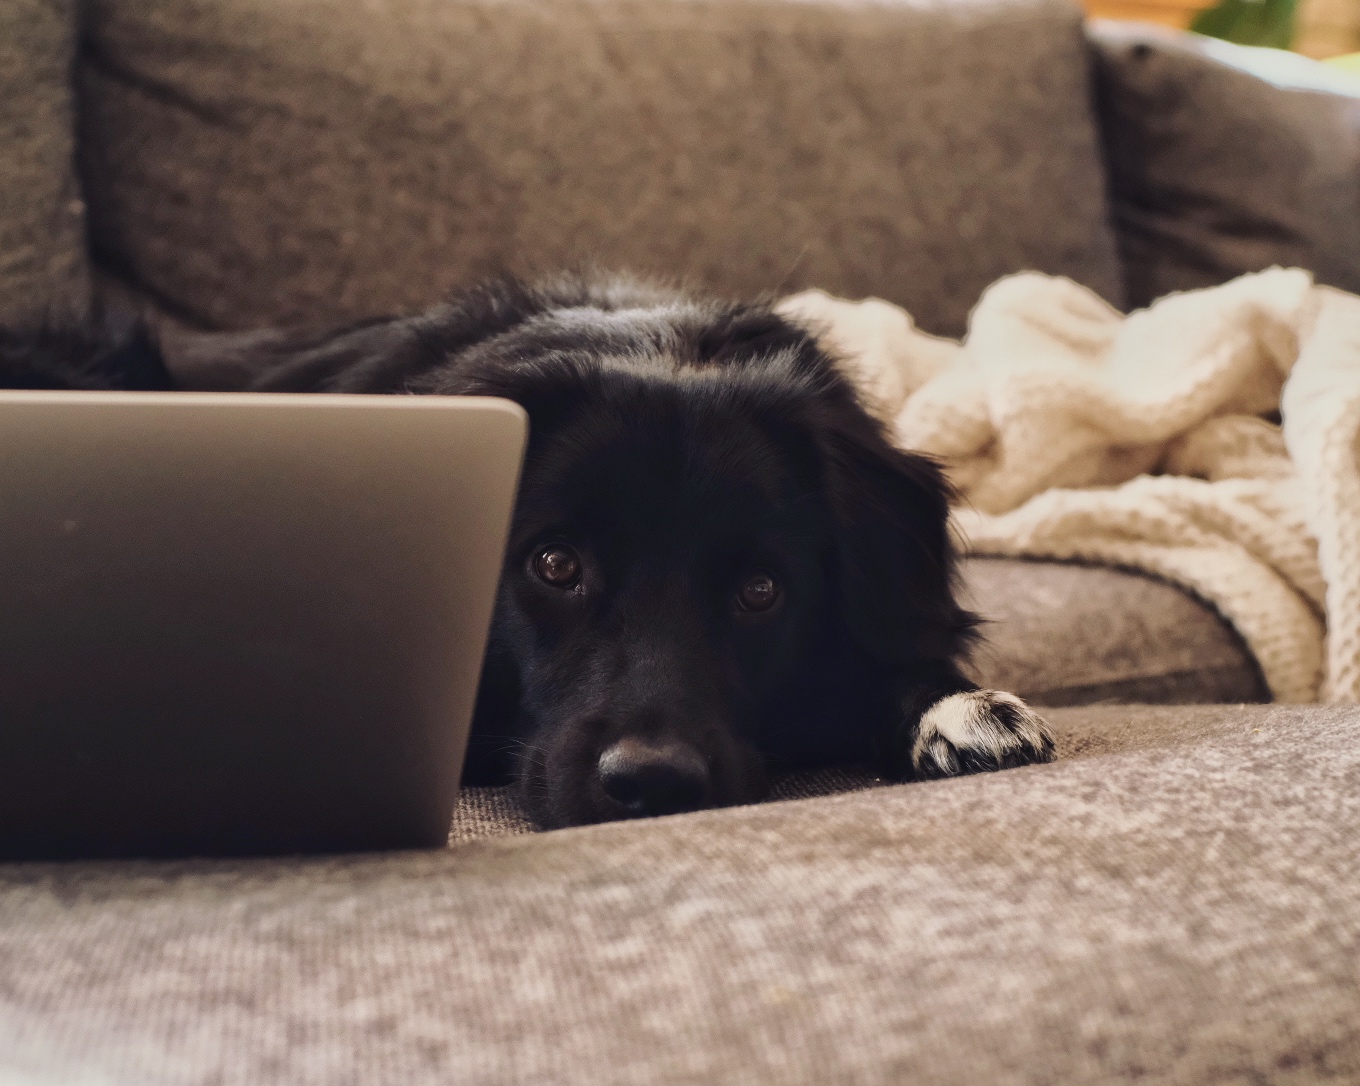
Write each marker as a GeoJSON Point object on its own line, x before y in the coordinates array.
{"type": "Point", "coordinates": [1216, 171]}
{"type": "Point", "coordinates": [43, 267]}
{"type": "Point", "coordinates": [1061, 633]}
{"type": "Point", "coordinates": [252, 162]}
{"type": "Point", "coordinates": [1176, 901]}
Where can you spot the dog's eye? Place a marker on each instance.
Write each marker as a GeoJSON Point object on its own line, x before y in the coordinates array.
{"type": "Point", "coordinates": [757, 593]}
{"type": "Point", "coordinates": [558, 566]}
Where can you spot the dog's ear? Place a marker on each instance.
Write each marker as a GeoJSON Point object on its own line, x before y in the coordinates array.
{"type": "Point", "coordinates": [894, 560]}
{"type": "Point", "coordinates": [111, 351]}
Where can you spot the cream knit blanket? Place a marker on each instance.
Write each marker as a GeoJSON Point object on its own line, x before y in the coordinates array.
{"type": "Point", "coordinates": [1151, 441]}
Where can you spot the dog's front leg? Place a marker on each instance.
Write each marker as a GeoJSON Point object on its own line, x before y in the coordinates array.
{"type": "Point", "coordinates": [947, 729]}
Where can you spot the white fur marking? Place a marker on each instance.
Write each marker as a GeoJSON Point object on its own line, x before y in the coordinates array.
{"type": "Point", "coordinates": [966, 722]}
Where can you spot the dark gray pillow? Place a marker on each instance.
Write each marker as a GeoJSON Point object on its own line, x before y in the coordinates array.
{"type": "Point", "coordinates": [43, 269]}
{"type": "Point", "coordinates": [250, 162]}
{"type": "Point", "coordinates": [1215, 171]}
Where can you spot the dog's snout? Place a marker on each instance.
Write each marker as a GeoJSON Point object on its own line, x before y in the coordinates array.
{"type": "Point", "coordinates": [654, 778]}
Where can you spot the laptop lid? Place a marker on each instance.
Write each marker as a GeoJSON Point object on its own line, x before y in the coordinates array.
{"type": "Point", "coordinates": [243, 623]}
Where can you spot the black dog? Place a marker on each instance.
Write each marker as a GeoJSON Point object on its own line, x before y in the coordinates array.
{"type": "Point", "coordinates": [718, 562]}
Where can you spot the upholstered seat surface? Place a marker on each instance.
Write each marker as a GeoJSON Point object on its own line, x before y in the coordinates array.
{"type": "Point", "coordinates": [1177, 900]}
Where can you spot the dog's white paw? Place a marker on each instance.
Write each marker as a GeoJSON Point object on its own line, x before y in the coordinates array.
{"type": "Point", "coordinates": [977, 732]}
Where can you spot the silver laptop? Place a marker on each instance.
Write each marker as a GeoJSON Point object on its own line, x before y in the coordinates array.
{"type": "Point", "coordinates": [243, 623]}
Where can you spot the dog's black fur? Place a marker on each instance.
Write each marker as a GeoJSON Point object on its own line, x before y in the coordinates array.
{"type": "Point", "coordinates": [748, 574]}
{"type": "Point", "coordinates": [115, 353]}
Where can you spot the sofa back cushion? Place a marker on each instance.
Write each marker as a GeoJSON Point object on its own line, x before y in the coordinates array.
{"type": "Point", "coordinates": [252, 162]}
{"type": "Point", "coordinates": [43, 270]}
{"type": "Point", "coordinates": [1216, 171]}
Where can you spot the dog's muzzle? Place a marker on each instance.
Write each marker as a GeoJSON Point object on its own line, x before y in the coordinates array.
{"type": "Point", "coordinates": [654, 778]}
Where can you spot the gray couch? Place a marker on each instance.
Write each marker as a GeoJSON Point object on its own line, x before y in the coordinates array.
{"type": "Point", "coordinates": [1175, 900]}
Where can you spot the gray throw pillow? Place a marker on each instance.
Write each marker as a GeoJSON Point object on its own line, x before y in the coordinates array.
{"type": "Point", "coordinates": [43, 270]}
{"type": "Point", "coordinates": [251, 162]}
{"type": "Point", "coordinates": [1225, 160]}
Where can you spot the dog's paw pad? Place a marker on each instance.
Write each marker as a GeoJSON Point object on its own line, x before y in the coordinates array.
{"type": "Point", "coordinates": [977, 732]}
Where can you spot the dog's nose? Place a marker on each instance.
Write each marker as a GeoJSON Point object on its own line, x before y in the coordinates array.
{"type": "Point", "coordinates": [654, 778]}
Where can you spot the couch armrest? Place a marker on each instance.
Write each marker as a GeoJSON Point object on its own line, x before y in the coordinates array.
{"type": "Point", "coordinates": [1224, 160]}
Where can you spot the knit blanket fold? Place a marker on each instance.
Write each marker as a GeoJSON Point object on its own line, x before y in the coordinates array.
{"type": "Point", "coordinates": [1212, 439]}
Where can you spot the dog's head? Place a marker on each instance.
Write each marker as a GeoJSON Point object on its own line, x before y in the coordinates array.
{"type": "Point", "coordinates": [716, 562]}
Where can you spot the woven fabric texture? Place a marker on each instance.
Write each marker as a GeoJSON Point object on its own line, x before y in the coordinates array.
{"type": "Point", "coordinates": [43, 267]}
{"type": "Point", "coordinates": [497, 811]}
{"type": "Point", "coordinates": [252, 163]}
{"type": "Point", "coordinates": [1177, 900]}
{"type": "Point", "coordinates": [1146, 441]}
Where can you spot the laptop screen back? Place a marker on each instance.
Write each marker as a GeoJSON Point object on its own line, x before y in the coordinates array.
{"type": "Point", "coordinates": [243, 623]}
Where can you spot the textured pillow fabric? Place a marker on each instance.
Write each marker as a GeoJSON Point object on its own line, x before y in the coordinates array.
{"type": "Point", "coordinates": [43, 269]}
{"type": "Point", "coordinates": [252, 162]}
{"type": "Point", "coordinates": [1214, 171]}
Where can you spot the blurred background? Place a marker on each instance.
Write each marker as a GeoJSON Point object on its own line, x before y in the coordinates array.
{"type": "Point", "coordinates": [1323, 29]}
